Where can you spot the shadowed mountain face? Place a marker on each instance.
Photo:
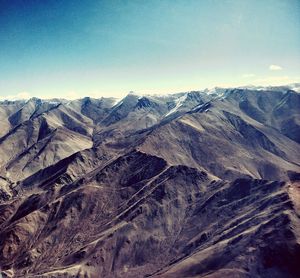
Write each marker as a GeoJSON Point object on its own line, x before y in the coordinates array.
{"type": "Point", "coordinates": [198, 184]}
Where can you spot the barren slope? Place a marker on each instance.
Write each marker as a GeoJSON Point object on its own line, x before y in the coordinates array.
{"type": "Point", "coordinates": [186, 185]}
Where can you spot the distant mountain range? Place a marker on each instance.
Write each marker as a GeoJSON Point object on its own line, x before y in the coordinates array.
{"type": "Point", "coordinates": [195, 184]}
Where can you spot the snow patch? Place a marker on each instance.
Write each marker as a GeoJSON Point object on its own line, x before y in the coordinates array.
{"type": "Point", "coordinates": [179, 102]}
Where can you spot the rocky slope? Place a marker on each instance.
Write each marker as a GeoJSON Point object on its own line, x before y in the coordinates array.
{"type": "Point", "coordinates": [197, 184]}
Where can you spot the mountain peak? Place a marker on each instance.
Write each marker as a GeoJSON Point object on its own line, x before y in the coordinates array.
{"type": "Point", "coordinates": [166, 186]}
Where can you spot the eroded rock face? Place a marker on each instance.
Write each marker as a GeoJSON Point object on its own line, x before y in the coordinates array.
{"type": "Point", "coordinates": [188, 185]}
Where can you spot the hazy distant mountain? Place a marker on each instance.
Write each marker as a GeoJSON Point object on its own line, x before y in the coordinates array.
{"type": "Point", "coordinates": [195, 184]}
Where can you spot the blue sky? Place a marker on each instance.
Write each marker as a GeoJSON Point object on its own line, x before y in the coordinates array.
{"type": "Point", "coordinates": [106, 48]}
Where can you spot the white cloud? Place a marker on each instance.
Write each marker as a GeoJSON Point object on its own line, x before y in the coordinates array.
{"type": "Point", "coordinates": [19, 96]}
{"type": "Point", "coordinates": [248, 75]}
{"type": "Point", "coordinates": [275, 67]}
{"type": "Point", "coordinates": [275, 80]}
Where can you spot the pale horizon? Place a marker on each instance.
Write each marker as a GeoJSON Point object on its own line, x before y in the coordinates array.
{"type": "Point", "coordinates": [74, 96]}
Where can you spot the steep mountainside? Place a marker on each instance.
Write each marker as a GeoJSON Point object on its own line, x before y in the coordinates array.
{"type": "Point", "coordinates": [197, 184]}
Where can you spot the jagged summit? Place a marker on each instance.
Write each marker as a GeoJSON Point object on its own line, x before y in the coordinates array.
{"type": "Point", "coordinates": [192, 184]}
{"type": "Point", "coordinates": [210, 91]}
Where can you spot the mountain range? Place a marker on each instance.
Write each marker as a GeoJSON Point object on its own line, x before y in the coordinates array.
{"type": "Point", "coordinates": [193, 184]}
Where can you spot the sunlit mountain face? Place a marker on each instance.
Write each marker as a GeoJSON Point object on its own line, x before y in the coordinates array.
{"type": "Point", "coordinates": [195, 184]}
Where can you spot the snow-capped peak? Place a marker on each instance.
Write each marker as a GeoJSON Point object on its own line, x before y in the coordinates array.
{"type": "Point", "coordinates": [178, 103]}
